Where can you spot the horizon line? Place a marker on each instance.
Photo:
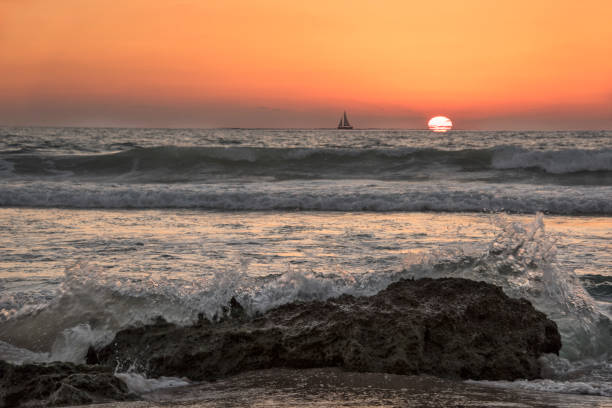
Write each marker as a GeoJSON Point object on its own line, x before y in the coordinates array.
{"type": "Point", "coordinates": [298, 128]}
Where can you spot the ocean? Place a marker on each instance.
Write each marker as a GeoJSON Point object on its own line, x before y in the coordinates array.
{"type": "Point", "coordinates": [104, 228]}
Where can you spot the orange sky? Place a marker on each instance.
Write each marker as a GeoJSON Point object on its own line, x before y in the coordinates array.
{"type": "Point", "coordinates": [486, 64]}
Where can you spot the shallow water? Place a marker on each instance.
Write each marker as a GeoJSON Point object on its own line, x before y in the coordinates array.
{"type": "Point", "coordinates": [335, 388]}
{"type": "Point", "coordinates": [187, 244]}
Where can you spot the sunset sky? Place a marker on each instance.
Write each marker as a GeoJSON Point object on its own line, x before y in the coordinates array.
{"type": "Point", "coordinates": [519, 64]}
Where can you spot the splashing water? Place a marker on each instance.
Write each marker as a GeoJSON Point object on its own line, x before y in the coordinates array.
{"type": "Point", "coordinates": [92, 304]}
{"type": "Point", "coordinates": [522, 260]}
{"type": "Point", "coordinates": [139, 384]}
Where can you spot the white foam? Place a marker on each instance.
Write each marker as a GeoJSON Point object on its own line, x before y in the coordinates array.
{"type": "Point", "coordinates": [72, 344]}
{"type": "Point", "coordinates": [93, 304]}
{"type": "Point", "coordinates": [601, 388]}
{"type": "Point", "coordinates": [316, 195]}
{"type": "Point", "coordinates": [588, 377]}
{"type": "Point", "coordinates": [90, 306]}
{"type": "Point", "coordinates": [139, 384]}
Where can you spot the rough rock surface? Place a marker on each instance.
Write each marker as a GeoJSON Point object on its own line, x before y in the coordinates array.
{"type": "Point", "coordinates": [452, 328]}
{"type": "Point", "coordinates": [58, 384]}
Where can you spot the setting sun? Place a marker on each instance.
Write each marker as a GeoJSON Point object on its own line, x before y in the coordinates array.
{"type": "Point", "coordinates": [272, 63]}
{"type": "Point", "coordinates": [440, 124]}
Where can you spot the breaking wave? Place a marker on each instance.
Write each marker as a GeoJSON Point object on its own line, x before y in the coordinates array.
{"type": "Point", "coordinates": [172, 163]}
{"type": "Point", "coordinates": [522, 260]}
{"type": "Point", "coordinates": [556, 162]}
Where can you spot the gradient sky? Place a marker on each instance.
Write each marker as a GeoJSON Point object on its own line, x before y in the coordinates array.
{"type": "Point", "coordinates": [519, 64]}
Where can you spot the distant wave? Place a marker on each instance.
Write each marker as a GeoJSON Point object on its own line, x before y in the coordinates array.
{"type": "Point", "coordinates": [172, 163]}
{"type": "Point", "coordinates": [556, 162]}
{"type": "Point", "coordinates": [314, 196]}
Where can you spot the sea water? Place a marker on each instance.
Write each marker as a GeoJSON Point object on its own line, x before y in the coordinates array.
{"type": "Point", "coordinates": [106, 228]}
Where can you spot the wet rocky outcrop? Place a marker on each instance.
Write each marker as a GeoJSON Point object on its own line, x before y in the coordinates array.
{"type": "Point", "coordinates": [58, 384]}
{"type": "Point", "coordinates": [453, 328]}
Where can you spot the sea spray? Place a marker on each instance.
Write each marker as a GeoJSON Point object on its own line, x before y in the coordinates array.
{"type": "Point", "coordinates": [522, 260]}
{"type": "Point", "coordinates": [139, 384]}
{"type": "Point", "coordinates": [73, 343]}
{"type": "Point", "coordinates": [97, 303]}
{"type": "Point", "coordinates": [93, 303]}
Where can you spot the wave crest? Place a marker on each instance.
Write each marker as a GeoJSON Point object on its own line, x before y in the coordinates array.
{"type": "Point", "coordinates": [175, 163]}
{"type": "Point", "coordinates": [555, 162]}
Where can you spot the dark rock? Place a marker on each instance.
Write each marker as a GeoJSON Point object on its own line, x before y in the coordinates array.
{"type": "Point", "coordinates": [92, 356]}
{"type": "Point", "coordinates": [236, 310]}
{"type": "Point", "coordinates": [58, 384]}
{"type": "Point", "coordinates": [453, 328]}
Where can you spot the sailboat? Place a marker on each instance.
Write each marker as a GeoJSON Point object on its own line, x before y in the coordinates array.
{"type": "Point", "coordinates": [344, 123]}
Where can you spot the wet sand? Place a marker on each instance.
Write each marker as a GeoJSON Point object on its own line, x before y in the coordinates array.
{"type": "Point", "coordinates": [335, 388]}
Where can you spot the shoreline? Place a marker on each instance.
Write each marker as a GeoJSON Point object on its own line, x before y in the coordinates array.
{"type": "Point", "coordinates": [332, 387]}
